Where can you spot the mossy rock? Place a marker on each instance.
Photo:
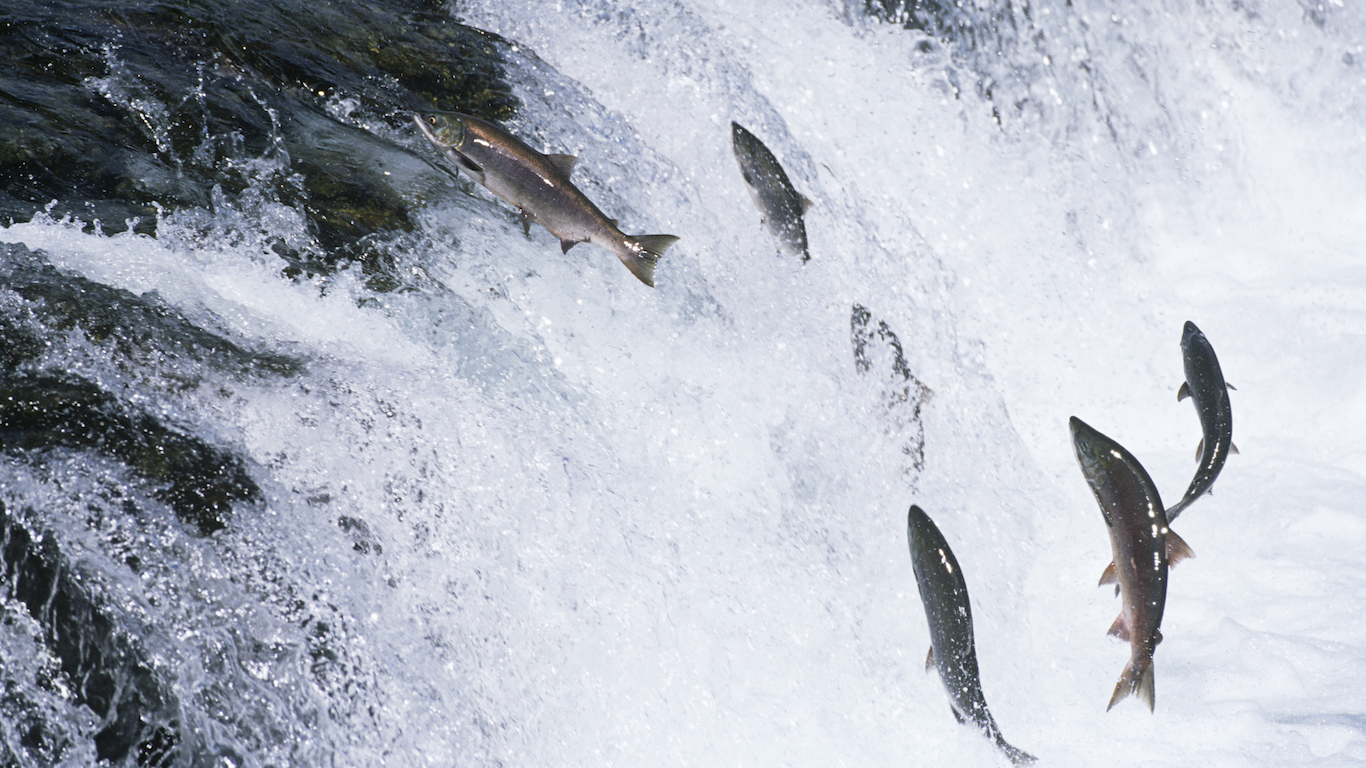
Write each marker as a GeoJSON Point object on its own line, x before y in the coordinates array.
{"type": "Point", "coordinates": [120, 110]}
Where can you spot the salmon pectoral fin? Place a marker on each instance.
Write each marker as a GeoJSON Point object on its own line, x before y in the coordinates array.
{"type": "Point", "coordinates": [465, 164]}
{"type": "Point", "coordinates": [1177, 548]}
{"type": "Point", "coordinates": [1108, 576]}
{"type": "Point", "coordinates": [1120, 628]}
{"type": "Point", "coordinates": [929, 659]}
{"type": "Point", "coordinates": [565, 245]}
{"type": "Point", "coordinates": [1184, 392]}
{"type": "Point", "coordinates": [1136, 680]}
{"type": "Point", "coordinates": [527, 218]}
{"type": "Point", "coordinates": [1233, 448]}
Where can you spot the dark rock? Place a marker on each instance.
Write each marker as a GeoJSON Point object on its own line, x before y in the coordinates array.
{"type": "Point", "coordinates": [143, 330]}
{"type": "Point", "coordinates": [110, 110]}
{"type": "Point", "coordinates": [968, 26]}
{"type": "Point", "coordinates": [878, 353]}
{"type": "Point", "coordinates": [201, 483]}
{"type": "Point", "coordinates": [105, 668]}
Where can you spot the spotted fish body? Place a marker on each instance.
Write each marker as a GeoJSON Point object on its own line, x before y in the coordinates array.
{"type": "Point", "coordinates": [779, 202]}
{"type": "Point", "coordinates": [1205, 386]}
{"type": "Point", "coordinates": [539, 187]}
{"type": "Point", "coordinates": [1142, 547]}
{"type": "Point", "coordinates": [952, 652]}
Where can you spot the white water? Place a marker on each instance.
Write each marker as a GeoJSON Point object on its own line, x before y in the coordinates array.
{"type": "Point", "coordinates": [623, 526]}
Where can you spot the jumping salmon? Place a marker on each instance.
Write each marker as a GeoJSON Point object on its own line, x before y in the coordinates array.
{"type": "Point", "coordinates": [539, 187]}
{"type": "Point", "coordinates": [1205, 386]}
{"type": "Point", "coordinates": [945, 596]}
{"type": "Point", "coordinates": [1142, 546]}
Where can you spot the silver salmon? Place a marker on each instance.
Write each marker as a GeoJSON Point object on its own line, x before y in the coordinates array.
{"type": "Point", "coordinates": [538, 186]}
{"type": "Point", "coordinates": [779, 202]}
{"type": "Point", "coordinates": [1142, 546]}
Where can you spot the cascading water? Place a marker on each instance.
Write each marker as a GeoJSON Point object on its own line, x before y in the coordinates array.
{"type": "Point", "coordinates": [312, 457]}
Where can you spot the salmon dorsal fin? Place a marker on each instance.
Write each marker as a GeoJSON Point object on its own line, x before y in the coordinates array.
{"type": "Point", "coordinates": [806, 203]}
{"type": "Point", "coordinates": [1177, 548]}
{"type": "Point", "coordinates": [563, 163]}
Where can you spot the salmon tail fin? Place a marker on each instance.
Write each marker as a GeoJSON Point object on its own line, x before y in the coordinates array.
{"type": "Point", "coordinates": [1137, 680]}
{"type": "Point", "coordinates": [1017, 756]}
{"type": "Point", "coordinates": [642, 252]}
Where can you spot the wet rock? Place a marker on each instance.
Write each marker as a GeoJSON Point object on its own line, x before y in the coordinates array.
{"type": "Point", "coordinates": [993, 47]}
{"type": "Point", "coordinates": [103, 667]}
{"type": "Point", "coordinates": [968, 26]}
{"type": "Point", "coordinates": [117, 111]}
{"type": "Point", "coordinates": [878, 354]}
{"type": "Point", "coordinates": [201, 483]}
{"type": "Point", "coordinates": [144, 331]}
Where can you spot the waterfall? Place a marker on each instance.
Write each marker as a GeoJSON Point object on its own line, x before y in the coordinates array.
{"type": "Point", "coordinates": [309, 455]}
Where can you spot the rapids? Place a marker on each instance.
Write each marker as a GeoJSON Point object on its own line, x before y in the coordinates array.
{"type": "Point", "coordinates": [311, 457]}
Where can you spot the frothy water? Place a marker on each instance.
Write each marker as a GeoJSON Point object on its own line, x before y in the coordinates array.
{"type": "Point", "coordinates": [527, 511]}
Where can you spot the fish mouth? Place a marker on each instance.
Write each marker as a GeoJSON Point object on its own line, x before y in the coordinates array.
{"type": "Point", "coordinates": [1086, 446]}
{"type": "Point", "coordinates": [741, 139]}
{"type": "Point", "coordinates": [448, 148]}
{"type": "Point", "coordinates": [1189, 335]}
{"type": "Point", "coordinates": [446, 134]}
{"type": "Point", "coordinates": [427, 132]}
{"type": "Point", "coordinates": [1083, 439]}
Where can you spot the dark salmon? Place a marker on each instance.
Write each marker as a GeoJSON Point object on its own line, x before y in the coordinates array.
{"type": "Point", "coordinates": [1205, 386]}
{"type": "Point", "coordinates": [952, 652]}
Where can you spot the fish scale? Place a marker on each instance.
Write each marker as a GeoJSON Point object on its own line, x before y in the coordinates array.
{"type": "Point", "coordinates": [1142, 547]}
{"type": "Point", "coordinates": [538, 186]}
{"type": "Point", "coordinates": [944, 593]}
